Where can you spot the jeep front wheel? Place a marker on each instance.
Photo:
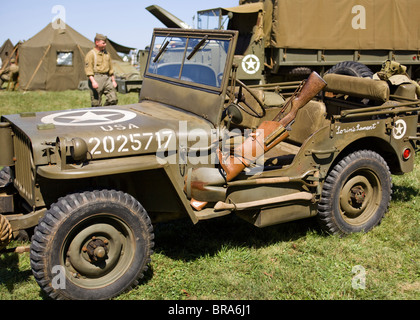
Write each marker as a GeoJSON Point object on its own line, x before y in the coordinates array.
{"type": "Point", "coordinates": [91, 245]}
{"type": "Point", "coordinates": [356, 194]}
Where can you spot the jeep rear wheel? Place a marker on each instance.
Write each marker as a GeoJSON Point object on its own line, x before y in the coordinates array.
{"type": "Point", "coordinates": [356, 194]}
{"type": "Point", "coordinates": [91, 245]}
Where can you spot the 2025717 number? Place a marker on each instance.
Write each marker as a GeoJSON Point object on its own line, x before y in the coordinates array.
{"type": "Point", "coordinates": [131, 142]}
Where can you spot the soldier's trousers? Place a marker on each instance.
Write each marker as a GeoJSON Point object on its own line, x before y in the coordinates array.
{"type": "Point", "coordinates": [106, 88]}
{"type": "Point", "coordinates": [4, 78]}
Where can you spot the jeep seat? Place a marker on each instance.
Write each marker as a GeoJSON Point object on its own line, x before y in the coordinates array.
{"type": "Point", "coordinates": [377, 90]}
{"type": "Point", "coordinates": [309, 119]}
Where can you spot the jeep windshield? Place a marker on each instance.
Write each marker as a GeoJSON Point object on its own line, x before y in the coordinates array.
{"type": "Point", "coordinates": [190, 59]}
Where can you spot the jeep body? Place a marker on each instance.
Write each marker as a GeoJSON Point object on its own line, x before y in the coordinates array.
{"type": "Point", "coordinates": [94, 180]}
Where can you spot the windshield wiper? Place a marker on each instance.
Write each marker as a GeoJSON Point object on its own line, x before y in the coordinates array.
{"type": "Point", "coordinates": [161, 51]}
{"type": "Point", "coordinates": [197, 46]}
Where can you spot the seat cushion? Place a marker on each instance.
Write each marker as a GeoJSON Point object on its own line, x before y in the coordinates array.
{"type": "Point", "coordinates": [377, 90]}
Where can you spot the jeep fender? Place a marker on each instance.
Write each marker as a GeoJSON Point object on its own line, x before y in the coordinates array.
{"type": "Point", "coordinates": [109, 167]}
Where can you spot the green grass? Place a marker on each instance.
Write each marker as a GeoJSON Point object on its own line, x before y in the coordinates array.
{"type": "Point", "coordinates": [227, 258]}
{"type": "Point", "coordinates": [34, 101]}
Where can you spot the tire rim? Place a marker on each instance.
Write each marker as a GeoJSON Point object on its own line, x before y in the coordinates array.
{"type": "Point", "coordinates": [97, 251]}
{"type": "Point", "coordinates": [360, 197]}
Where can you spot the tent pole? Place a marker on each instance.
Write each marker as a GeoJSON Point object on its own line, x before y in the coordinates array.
{"type": "Point", "coordinates": [8, 60]}
{"type": "Point", "coordinates": [81, 51]}
{"type": "Point", "coordinates": [37, 68]}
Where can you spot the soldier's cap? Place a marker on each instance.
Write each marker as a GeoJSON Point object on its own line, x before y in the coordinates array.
{"type": "Point", "coordinates": [100, 37]}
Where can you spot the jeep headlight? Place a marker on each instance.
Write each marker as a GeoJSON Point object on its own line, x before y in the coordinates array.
{"type": "Point", "coordinates": [78, 149]}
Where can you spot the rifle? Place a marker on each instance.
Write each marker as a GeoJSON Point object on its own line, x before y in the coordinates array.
{"type": "Point", "coordinates": [268, 134]}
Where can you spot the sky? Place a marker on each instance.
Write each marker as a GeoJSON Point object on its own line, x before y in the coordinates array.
{"type": "Point", "coordinates": [126, 22]}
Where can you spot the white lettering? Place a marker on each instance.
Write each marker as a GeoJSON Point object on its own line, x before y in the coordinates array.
{"type": "Point", "coordinates": [223, 309]}
{"type": "Point", "coordinates": [95, 148]}
{"type": "Point", "coordinates": [59, 280]}
{"type": "Point", "coordinates": [136, 143]}
{"type": "Point", "coordinates": [187, 145]}
{"type": "Point", "coordinates": [356, 128]}
{"type": "Point", "coordinates": [119, 127]}
{"type": "Point", "coordinates": [122, 147]}
{"type": "Point", "coordinates": [359, 20]}
{"type": "Point", "coordinates": [59, 20]}
{"type": "Point", "coordinates": [359, 280]}
{"type": "Point", "coordinates": [185, 310]}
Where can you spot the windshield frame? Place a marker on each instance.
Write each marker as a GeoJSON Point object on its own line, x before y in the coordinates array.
{"type": "Point", "coordinates": [209, 35]}
{"type": "Point", "coordinates": [216, 18]}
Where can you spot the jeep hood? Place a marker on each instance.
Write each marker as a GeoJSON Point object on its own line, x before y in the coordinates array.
{"type": "Point", "coordinates": [147, 127]}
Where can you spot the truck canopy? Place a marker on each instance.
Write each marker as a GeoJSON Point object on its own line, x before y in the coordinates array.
{"type": "Point", "coordinates": [339, 24]}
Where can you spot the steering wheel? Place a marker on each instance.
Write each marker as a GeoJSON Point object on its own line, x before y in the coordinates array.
{"type": "Point", "coordinates": [241, 100]}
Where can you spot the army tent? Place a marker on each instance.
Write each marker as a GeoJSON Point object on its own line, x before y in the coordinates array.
{"type": "Point", "coordinates": [122, 69]}
{"type": "Point", "coordinates": [118, 47]}
{"type": "Point", "coordinates": [53, 59]}
{"type": "Point", "coordinates": [7, 52]}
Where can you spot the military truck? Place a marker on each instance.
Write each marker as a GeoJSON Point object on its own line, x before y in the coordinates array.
{"type": "Point", "coordinates": [284, 40]}
{"type": "Point", "coordinates": [93, 182]}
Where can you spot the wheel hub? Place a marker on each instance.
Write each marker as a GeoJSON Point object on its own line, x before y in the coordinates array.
{"type": "Point", "coordinates": [357, 195]}
{"type": "Point", "coordinates": [97, 249]}
{"type": "Point", "coordinates": [359, 198]}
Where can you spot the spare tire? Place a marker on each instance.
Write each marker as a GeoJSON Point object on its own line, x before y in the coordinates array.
{"type": "Point", "coordinates": [351, 68]}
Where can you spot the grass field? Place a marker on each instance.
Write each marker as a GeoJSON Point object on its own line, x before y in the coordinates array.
{"type": "Point", "coordinates": [227, 258]}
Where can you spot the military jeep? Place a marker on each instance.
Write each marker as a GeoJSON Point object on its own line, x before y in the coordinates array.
{"type": "Point", "coordinates": [94, 181]}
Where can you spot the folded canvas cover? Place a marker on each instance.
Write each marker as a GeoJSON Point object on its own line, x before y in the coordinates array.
{"type": "Point", "coordinates": [342, 24]}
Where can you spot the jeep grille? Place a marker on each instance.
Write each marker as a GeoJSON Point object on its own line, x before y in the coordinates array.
{"type": "Point", "coordinates": [24, 167]}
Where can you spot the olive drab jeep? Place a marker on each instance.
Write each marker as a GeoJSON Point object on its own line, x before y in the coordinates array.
{"type": "Point", "coordinates": [199, 144]}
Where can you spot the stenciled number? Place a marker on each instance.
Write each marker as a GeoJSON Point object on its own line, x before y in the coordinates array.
{"type": "Point", "coordinates": [132, 141]}
{"type": "Point", "coordinates": [122, 146]}
{"type": "Point", "coordinates": [96, 146]}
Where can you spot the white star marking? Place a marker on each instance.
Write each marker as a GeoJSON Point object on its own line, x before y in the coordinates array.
{"type": "Point", "coordinates": [89, 116]}
{"type": "Point", "coordinates": [400, 129]}
{"type": "Point", "coordinates": [251, 64]}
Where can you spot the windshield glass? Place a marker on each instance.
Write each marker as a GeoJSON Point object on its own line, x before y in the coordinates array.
{"type": "Point", "coordinates": [196, 60]}
{"type": "Point", "coordinates": [212, 19]}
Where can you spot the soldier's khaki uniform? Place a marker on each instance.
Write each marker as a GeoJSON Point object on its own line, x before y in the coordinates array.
{"type": "Point", "coordinates": [99, 65]}
{"type": "Point", "coordinates": [9, 73]}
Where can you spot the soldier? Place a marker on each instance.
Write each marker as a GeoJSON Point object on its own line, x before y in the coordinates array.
{"type": "Point", "coordinates": [10, 73]}
{"type": "Point", "coordinates": [99, 70]}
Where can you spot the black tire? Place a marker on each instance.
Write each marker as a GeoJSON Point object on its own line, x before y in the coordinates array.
{"type": "Point", "coordinates": [356, 194]}
{"type": "Point", "coordinates": [351, 68]}
{"type": "Point", "coordinates": [101, 242]}
{"type": "Point", "coordinates": [302, 71]}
